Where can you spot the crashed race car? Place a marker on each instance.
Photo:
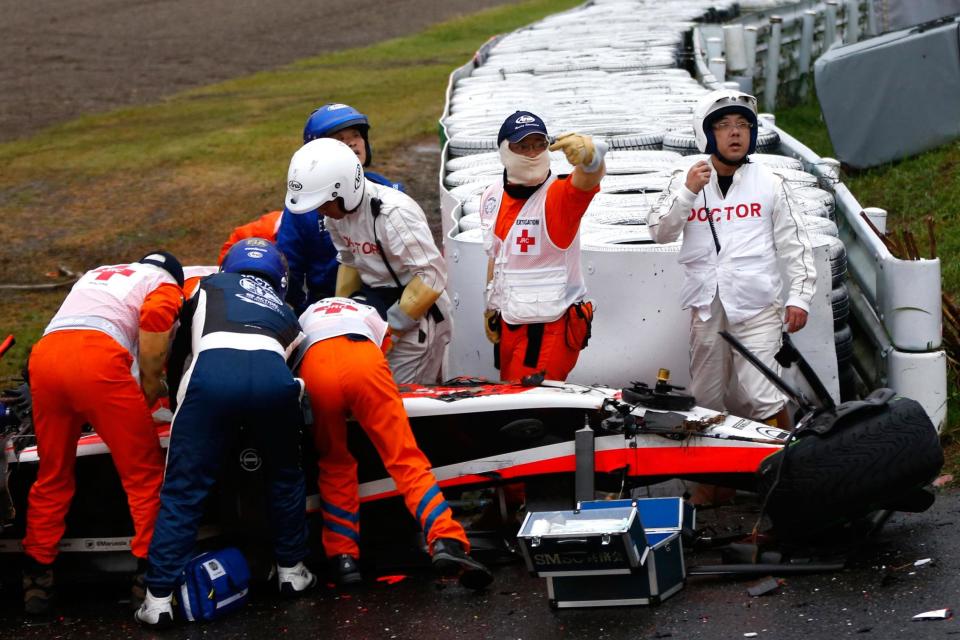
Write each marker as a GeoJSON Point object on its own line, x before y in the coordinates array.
{"type": "Point", "coordinates": [561, 442]}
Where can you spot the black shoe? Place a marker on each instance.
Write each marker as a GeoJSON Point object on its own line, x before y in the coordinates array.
{"type": "Point", "coordinates": [345, 570]}
{"type": "Point", "coordinates": [449, 559]}
{"type": "Point", "coordinates": [38, 589]}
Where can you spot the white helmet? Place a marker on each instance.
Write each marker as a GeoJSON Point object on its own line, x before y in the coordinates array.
{"type": "Point", "coordinates": [324, 170]}
{"type": "Point", "coordinates": [717, 104]}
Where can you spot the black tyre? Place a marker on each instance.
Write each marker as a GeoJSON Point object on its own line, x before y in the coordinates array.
{"type": "Point", "coordinates": [840, 301]}
{"type": "Point", "coordinates": [642, 141]}
{"type": "Point", "coordinates": [875, 461]}
{"type": "Point", "coordinates": [838, 256]}
{"type": "Point", "coordinates": [843, 343]}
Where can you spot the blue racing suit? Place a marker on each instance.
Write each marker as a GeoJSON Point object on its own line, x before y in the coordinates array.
{"type": "Point", "coordinates": [305, 242]}
{"type": "Point", "coordinates": [239, 334]}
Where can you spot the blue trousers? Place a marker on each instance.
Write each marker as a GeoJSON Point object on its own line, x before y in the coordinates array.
{"type": "Point", "coordinates": [230, 388]}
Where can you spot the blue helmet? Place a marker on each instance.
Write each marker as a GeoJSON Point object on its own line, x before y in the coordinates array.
{"type": "Point", "coordinates": [260, 257]}
{"type": "Point", "coordinates": [330, 118]}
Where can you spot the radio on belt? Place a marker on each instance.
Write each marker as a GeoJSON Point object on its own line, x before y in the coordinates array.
{"type": "Point", "coordinates": [608, 552]}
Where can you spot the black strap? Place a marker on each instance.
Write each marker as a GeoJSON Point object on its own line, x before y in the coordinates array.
{"type": "Point", "coordinates": [375, 205]}
{"type": "Point", "coordinates": [716, 241]}
{"type": "Point", "coordinates": [434, 310]}
{"type": "Point", "coordinates": [534, 343]}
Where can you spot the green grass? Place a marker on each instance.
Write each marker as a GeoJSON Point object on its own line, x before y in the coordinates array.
{"type": "Point", "coordinates": [251, 125]}
{"type": "Point", "coordinates": [910, 190]}
{"type": "Point", "coordinates": [182, 172]}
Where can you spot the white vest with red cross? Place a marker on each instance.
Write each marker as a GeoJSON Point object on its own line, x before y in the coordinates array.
{"type": "Point", "coordinates": [533, 279]}
{"type": "Point", "coordinates": [745, 272]}
{"type": "Point", "coordinates": [108, 299]}
{"type": "Point", "coordinates": [332, 317]}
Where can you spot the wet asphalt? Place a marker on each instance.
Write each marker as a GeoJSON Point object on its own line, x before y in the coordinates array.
{"type": "Point", "coordinates": [874, 597]}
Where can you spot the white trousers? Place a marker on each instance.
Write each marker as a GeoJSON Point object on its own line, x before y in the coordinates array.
{"type": "Point", "coordinates": [413, 361]}
{"type": "Point", "coordinates": [721, 379]}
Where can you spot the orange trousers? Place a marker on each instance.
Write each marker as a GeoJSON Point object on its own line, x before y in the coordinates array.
{"type": "Point", "coordinates": [79, 376]}
{"type": "Point", "coordinates": [556, 356]}
{"type": "Point", "coordinates": [343, 376]}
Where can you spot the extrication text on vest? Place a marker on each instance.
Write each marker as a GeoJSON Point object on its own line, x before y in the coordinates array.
{"type": "Point", "coordinates": [751, 210]}
{"type": "Point", "coordinates": [365, 248]}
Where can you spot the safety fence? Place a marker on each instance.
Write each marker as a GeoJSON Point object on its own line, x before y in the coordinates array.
{"type": "Point", "coordinates": [770, 52]}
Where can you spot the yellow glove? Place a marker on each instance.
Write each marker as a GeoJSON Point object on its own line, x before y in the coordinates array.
{"type": "Point", "coordinates": [348, 281]}
{"type": "Point", "coordinates": [491, 325]}
{"type": "Point", "coordinates": [578, 148]}
{"type": "Point", "coordinates": [415, 301]}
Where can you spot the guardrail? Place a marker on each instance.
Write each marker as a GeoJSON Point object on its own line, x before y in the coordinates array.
{"type": "Point", "coordinates": [771, 52]}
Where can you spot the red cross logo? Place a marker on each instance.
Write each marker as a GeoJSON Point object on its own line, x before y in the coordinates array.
{"type": "Point", "coordinates": [336, 307]}
{"type": "Point", "coordinates": [525, 240]}
{"type": "Point", "coordinates": [105, 273]}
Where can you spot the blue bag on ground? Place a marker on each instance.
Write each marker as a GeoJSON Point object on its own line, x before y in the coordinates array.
{"type": "Point", "coordinates": [214, 584]}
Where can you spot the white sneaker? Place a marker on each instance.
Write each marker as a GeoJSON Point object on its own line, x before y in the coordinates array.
{"type": "Point", "coordinates": [155, 612]}
{"type": "Point", "coordinates": [295, 580]}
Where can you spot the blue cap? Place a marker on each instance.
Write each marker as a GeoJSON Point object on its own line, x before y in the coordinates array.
{"type": "Point", "coordinates": [166, 261]}
{"type": "Point", "coordinates": [520, 125]}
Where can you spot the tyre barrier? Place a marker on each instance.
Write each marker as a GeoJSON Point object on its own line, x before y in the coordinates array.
{"type": "Point", "coordinates": [858, 466]}
{"type": "Point", "coordinates": [840, 303]}
{"type": "Point", "coordinates": [469, 221]}
{"type": "Point", "coordinates": [796, 179]}
{"type": "Point", "coordinates": [636, 183]}
{"type": "Point", "coordinates": [838, 256]}
{"type": "Point", "coordinates": [617, 163]}
{"type": "Point", "coordinates": [824, 226]}
{"type": "Point", "coordinates": [843, 342]}
{"type": "Point", "coordinates": [642, 141]}
{"type": "Point", "coordinates": [472, 189]}
{"type": "Point", "coordinates": [812, 208]}
{"type": "Point", "coordinates": [804, 193]}
{"type": "Point", "coordinates": [484, 173]}
{"type": "Point", "coordinates": [601, 235]}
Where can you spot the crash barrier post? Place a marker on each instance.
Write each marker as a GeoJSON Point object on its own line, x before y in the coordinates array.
{"type": "Point", "coordinates": [734, 43]}
{"type": "Point", "coordinates": [852, 32]}
{"type": "Point", "coordinates": [872, 27]}
{"type": "Point", "coordinates": [773, 65]}
{"type": "Point", "coordinates": [806, 48]}
{"type": "Point", "coordinates": [830, 25]}
{"type": "Point", "coordinates": [714, 47]}
{"type": "Point", "coordinates": [878, 218]}
{"type": "Point", "coordinates": [718, 67]}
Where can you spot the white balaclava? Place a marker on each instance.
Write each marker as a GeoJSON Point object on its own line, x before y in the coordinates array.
{"type": "Point", "coordinates": [522, 170]}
